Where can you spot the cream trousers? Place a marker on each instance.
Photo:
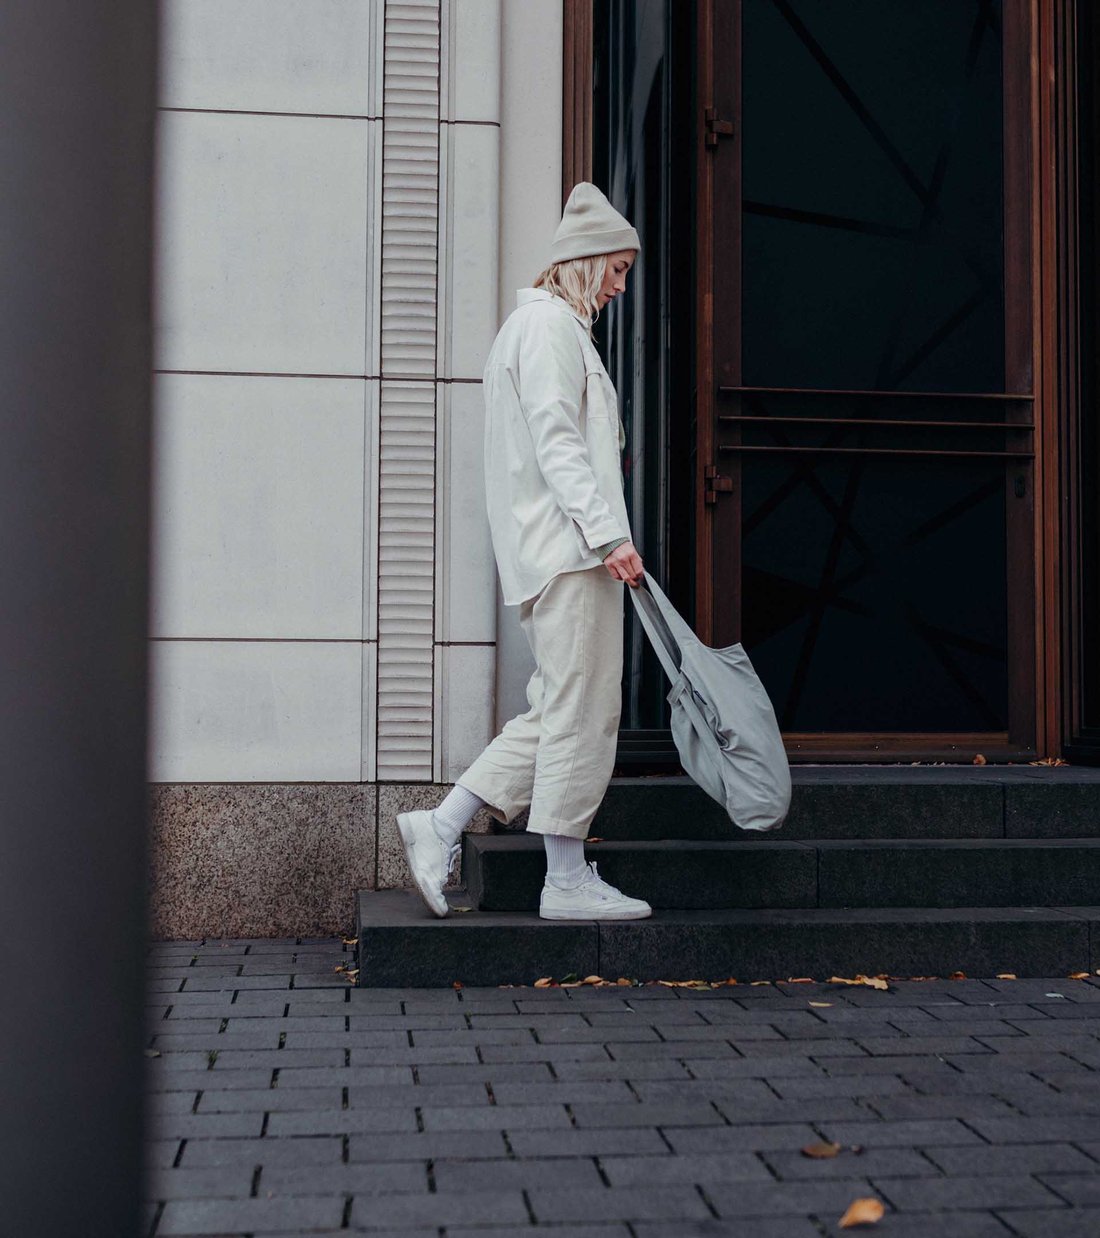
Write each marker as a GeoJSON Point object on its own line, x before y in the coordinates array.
{"type": "Point", "coordinates": [558, 756]}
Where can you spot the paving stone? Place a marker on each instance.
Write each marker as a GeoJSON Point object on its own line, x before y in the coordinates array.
{"type": "Point", "coordinates": [799, 1087]}
{"type": "Point", "coordinates": [426, 1145]}
{"type": "Point", "coordinates": [903, 1134]}
{"type": "Point", "coordinates": [202, 1216]}
{"type": "Point", "coordinates": [160, 1153]}
{"type": "Point", "coordinates": [271, 1059]}
{"type": "Point", "coordinates": [341, 1121]}
{"type": "Point", "coordinates": [595, 1141]}
{"type": "Point", "coordinates": [341, 1179]}
{"type": "Point", "coordinates": [962, 1193]}
{"type": "Point", "coordinates": [209, 1182]}
{"type": "Point", "coordinates": [652, 1069]}
{"type": "Point", "coordinates": [673, 1091]}
{"type": "Point", "coordinates": [268, 1099]}
{"type": "Point", "coordinates": [1080, 1189]}
{"type": "Point", "coordinates": [488, 1207]}
{"type": "Point", "coordinates": [611, 1230]}
{"type": "Point", "coordinates": [346, 1076]}
{"type": "Point", "coordinates": [702, 1168]}
{"type": "Point", "coordinates": [638, 1113]}
{"type": "Point", "coordinates": [629, 1204]}
{"type": "Point", "coordinates": [922, 1224]}
{"type": "Point", "coordinates": [209, 1080]}
{"type": "Point", "coordinates": [495, 1118]}
{"type": "Point", "coordinates": [565, 1092]}
{"type": "Point", "coordinates": [575, 1173]}
{"type": "Point", "coordinates": [902, 1162]}
{"type": "Point", "coordinates": [318, 1150]}
{"type": "Point", "coordinates": [741, 1138]}
{"type": "Point", "coordinates": [967, 1106]}
{"type": "Point", "coordinates": [469, 1072]}
{"type": "Point", "coordinates": [1035, 1130]}
{"type": "Point", "coordinates": [753, 1199]}
{"type": "Point", "coordinates": [1055, 1223]}
{"type": "Point", "coordinates": [205, 1125]}
{"type": "Point", "coordinates": [786, 1227]}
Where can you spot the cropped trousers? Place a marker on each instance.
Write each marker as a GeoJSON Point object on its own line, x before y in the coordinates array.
{"type": "Point", "coordinates": [558, 756]}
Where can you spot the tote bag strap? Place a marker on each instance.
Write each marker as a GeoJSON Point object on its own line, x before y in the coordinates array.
{"type": "Point", "coordinates": [656, 626]}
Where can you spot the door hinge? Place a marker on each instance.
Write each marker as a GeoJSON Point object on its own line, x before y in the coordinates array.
{"type": "Point", "coordinates": [714, 483]}
{"type": "Point", "coordinates": [716, 127]}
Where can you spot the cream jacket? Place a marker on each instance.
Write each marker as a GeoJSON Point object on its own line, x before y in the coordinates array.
{"type": "Point", "coordinates": [553, 442]}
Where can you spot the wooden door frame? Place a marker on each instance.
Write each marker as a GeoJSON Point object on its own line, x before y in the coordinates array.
{"type": "Point", "coordinates": [1042, 65]}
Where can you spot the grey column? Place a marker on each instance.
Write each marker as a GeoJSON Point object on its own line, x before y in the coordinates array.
{"type": "Point", "coordinates": [77, 98]}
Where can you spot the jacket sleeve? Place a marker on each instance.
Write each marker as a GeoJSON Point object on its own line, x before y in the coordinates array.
{"type": "Point", "coordinates": [551, 387]}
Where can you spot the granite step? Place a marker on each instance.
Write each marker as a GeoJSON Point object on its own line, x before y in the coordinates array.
{"type": "Point", "coordinates": [402, 945]}
{"type": "Point", "coordinates": [873, 801]}
{"type": "Point", "coordinates": [504, 873]}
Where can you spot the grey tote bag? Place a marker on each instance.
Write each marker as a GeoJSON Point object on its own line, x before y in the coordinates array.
{"type": "Point", "coordinates": [723, 723]}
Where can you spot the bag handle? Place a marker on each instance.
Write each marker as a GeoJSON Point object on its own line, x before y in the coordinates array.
{"type": "Point", "coordinates": [656, 626]}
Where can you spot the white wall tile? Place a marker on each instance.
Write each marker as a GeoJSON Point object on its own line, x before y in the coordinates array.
{"type": "Point", "coordinates": [469, 247]}
{"type": "Point", "coordinates": [465, 567]}
{"type": "Point", "coordinates": [470, 62]}
{"type": "Point", "coordinates": [466, 706]}
{"type": "Point", "coordinates": [262, 243]}
{"type": "Point", "coordinates": [263, 711]}
{"type": "Point", "coordinates": [272, 55]}
{"type": "Point", "coordinates": [258, 526]}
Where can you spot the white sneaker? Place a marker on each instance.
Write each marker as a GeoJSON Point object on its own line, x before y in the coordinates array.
{"type": "Point", "coordinates": [431, 860]}
{"type": "Point", "coordinates": [593, 899]}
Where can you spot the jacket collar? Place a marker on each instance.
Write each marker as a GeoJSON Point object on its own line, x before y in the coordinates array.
{"type": "Point", "coordinates": [523, 295]}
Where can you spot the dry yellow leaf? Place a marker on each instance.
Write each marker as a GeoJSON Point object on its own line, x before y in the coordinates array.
{"type": "Point", "coordinates": [350, 941]}
{"type": "Point", "coordinates": [821, 1151]}
{"type": "Point", "coordinates": [958, 975]}
{"type": "Point", "coordinates": [457, 984]}
{"type": "Point", "coordinates": [801, 980]}
{"type": "Point", "coordinates": [874, 982]}
{"type": "Point", "coordinates": [760, 982]}
{"type": "Point", "coordinates": [1006, 975]}
{"type": "Point", "coordinates": [1079, 975]}
{"type": "Point", "coordinates": [623, 980]}
{"type": "Point", "coordinates": [866, 1211]}
{"type": "Point", "coordinates": [980, 760]}
{"type": "Point", "coordinates": [821, 1003]}
{"type": "Point", "coordinates": [544, 982]}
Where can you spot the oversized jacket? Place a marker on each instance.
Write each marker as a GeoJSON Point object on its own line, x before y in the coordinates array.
{"type": "Point", "coordinates": [553, 442]}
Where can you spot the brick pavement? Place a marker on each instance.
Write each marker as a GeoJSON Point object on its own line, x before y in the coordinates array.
{"type": "Point", "coordinates": [284, 1102]}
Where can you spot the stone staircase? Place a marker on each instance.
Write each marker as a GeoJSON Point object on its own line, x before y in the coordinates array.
{"type": "Point", "coordinates": [904, 870]}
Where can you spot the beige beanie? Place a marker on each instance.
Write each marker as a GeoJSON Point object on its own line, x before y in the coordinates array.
{"type": "Point", "coordinates": [591, 225]}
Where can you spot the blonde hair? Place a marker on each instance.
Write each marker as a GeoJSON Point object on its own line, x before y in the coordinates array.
{"type": "Point", "coordinates": [578, 280]}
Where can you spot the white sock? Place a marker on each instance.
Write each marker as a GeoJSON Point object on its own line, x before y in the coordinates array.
{"type": "Point", "coordinates": [565, 864]}
{"type": "Point", "coordinates": [455, 813]}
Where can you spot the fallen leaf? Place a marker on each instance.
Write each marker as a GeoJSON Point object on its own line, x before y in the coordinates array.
{"type": "Point", "coordinates": [821, 1151]}
{"type": "Point", "coordinates": [350, 941]}
{"type": "Point", "coordinates": [593, 840]}
{"type": "Point", "coordinates": [1054, 995]}
{"type": "Point", "coordinates": [1079, 975]}
{"type": "Point", "coordinates": [570, 978]}
{"type": "Point", "coordinates": [543, 983]}
{"type": "Point", "coordinates": [874, 982]}
{"type": "Point", "coordinates": [801, 980]}
{"type": "Point", "coordinates": [593, 980]}
{"type": "Point", "coordinates": [152, 1053]}
{"type": "Point", "coordinates": [865, 1211]}
{"type": "Point", "coordinates": [457, 984]}
{"type": "Point", "coordinates": [760, 982]}
{"type": "Point", "coordinates": [979, 760]}
{"type": "Point", "coordinates": [461, 909]}
{"type": "Point", "coordinates": [1049, 761]}
{"type": "Point", "coordinates": [624, 981]}
{"type": "Point", "coordinates": [958, 975]}
{"type": "Point", "coordinates": [821, 1003]}
{"type": "Point", "coordinates": [1006, 975]}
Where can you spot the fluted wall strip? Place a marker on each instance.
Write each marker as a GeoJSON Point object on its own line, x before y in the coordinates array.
{"type": "Point", "coordinates": [406, 498]}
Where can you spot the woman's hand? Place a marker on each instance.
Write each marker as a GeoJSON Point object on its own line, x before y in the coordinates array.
{"type": "Point", "coordinates": [625, 563]}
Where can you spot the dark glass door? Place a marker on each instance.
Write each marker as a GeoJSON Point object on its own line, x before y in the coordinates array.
{"type": "Point", "coordinates": [866, 425]}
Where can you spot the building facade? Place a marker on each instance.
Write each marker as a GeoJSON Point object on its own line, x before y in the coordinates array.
{"type": "Point", "coordinates": [856, 365]}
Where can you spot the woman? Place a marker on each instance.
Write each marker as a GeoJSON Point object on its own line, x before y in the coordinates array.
{"type": "Point", "coordinates": [561, 538]}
